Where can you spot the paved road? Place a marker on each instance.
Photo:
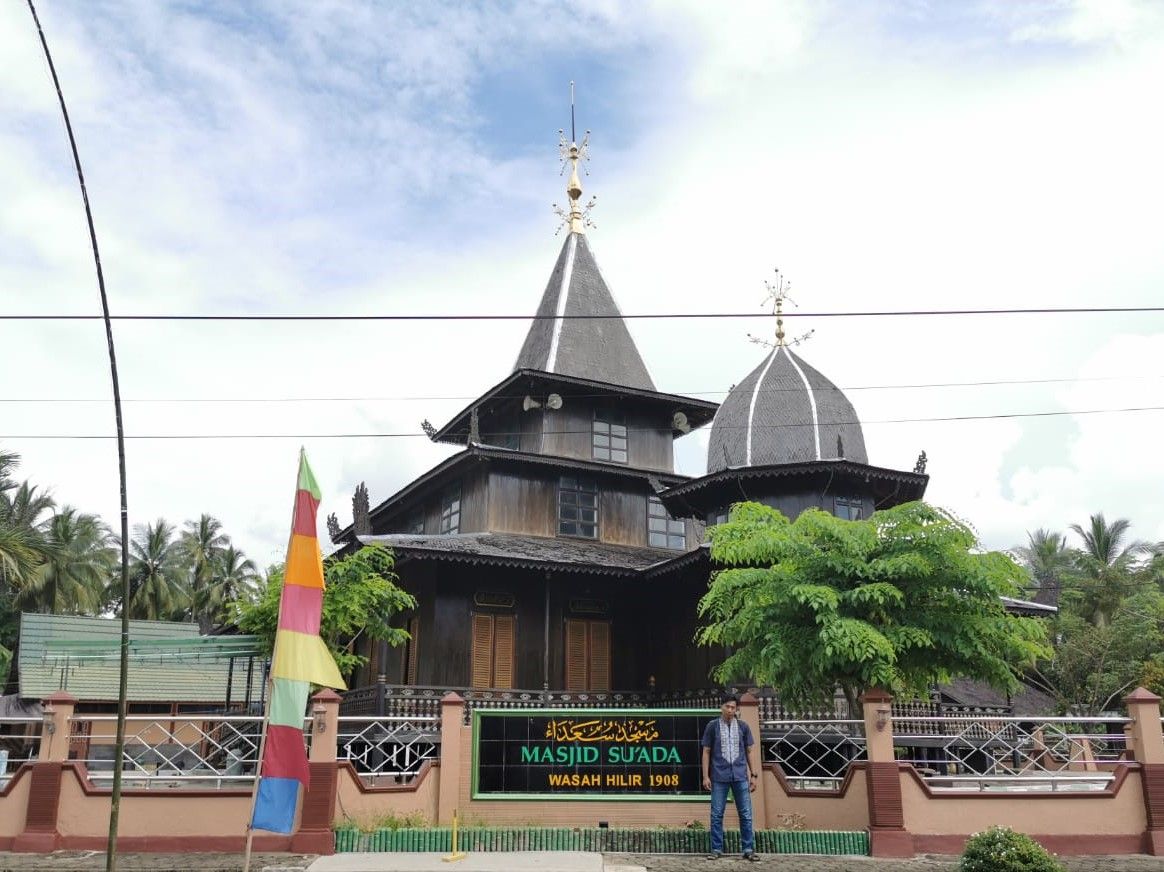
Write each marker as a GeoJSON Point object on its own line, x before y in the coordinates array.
{"type": "Point", "coordinates": [802, 863]}
{"type": "Point", "coordinates": [86, 861]}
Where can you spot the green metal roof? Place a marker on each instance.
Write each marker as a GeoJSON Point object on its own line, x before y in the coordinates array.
{"type": "Point", "coordinates": [169, 661]}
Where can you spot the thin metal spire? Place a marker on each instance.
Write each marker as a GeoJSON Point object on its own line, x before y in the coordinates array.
{"type": "Point", "coordinates": [576, 216]}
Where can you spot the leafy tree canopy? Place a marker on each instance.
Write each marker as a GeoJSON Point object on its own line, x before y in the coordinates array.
{"type": "Point", "coordinates": [359, 600]}
{"type": "Point", "coordinates": [902, 600]}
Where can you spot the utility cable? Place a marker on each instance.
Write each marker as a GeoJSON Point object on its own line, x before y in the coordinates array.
{"type": "Point", "coordinates": [574, 396]}
{"type": "Point", "coordinates": [410, 435]}
{"type": "Point", "coordinates": [637, 316]}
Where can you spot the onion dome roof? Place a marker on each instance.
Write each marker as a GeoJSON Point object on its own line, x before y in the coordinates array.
{"type": "Point", "coordinates": [784, 412]}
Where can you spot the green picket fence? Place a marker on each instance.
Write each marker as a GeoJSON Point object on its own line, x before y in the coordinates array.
{"type": "Point", "coordinates": [613, 840]}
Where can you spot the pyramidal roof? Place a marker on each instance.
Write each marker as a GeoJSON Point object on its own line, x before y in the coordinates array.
{"type": "Point", "coordinates": [595, 348]}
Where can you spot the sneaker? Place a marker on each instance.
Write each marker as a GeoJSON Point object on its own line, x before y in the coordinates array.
{"type": "Point", "coordinates": [714, 855]}
{"type": "Point", "coordinates": [753, 856]}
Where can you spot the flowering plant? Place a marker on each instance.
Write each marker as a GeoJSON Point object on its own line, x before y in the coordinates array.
{"type": "Point", "coordinates": [1001, 849]}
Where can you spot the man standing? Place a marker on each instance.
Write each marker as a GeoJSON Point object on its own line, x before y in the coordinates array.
{"type": "Point", "coordinates": [729, 764]}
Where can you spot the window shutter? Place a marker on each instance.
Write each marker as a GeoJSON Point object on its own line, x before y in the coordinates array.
{"type": "Point", "coordinates": [599, 655]}
{"type": "Point", "coordinates": [482, 665]}
{"type": "Point", "coordinates": [413, 650]}
{"type": "Point", "coordinates": [576, 655]}
{"type": "Point", "coordinates": [504, 632]}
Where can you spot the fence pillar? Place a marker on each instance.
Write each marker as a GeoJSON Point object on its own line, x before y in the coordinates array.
{"type": "Point", "coordinates": [314, 835]}
{"type": "Point", "coordinates": [44, 792]}
{"type": "Point", "coordinates": [887, 834]}
{"type": "Point", "coordinates": [749, 713]}
{"type": "Point", "coordinates": [1148, 747]}
{"type": "Point", "coordinates": [452, 720]}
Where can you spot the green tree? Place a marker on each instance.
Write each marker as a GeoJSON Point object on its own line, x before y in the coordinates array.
{"type": "Point", "coordinates": [1047, 558]}
{"type": "Point", "coordinates": [1106, 569]}
{"type": "Point", "coordinates": [235, 578]}
{"type": "Point", "coordinates": [156, 574]}
{"type": "Point", "coordinates": [24, 515]}
{"type": "Point", "coordinates": [201, 545]}
{"type": "Point", "coordinates": [75, 568]}
{"type": "Point", "coordinates": [902, 600]}
{"type": "Point", "coordinates": [1094, 665]}
{"type": "Point", "coordinates": [359, 601]}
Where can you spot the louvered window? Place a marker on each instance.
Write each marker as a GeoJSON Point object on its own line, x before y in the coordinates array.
{"type": "Point", "coordinates": [494, 647]}
{"type": "Point", "coordinates": [608, 437]}
{"type": "Point", "coordinates": [587, 655]}
{"type": "Point", "coordinates": [663, 531]}
{"type": "Point", "coordinates": [847, 508]}
{"type": "Point", "coordinates": [451, 510]}
{"type": "Point", "coordinates": [412, 651]}
{"type": "Point", "coordinates": [577, 507]}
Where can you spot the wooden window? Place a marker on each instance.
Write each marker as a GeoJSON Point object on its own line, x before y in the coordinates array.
{"type": "Point", "coordinates": [663, 531]}
{"type": "Point", "coordinates": [587, 655]}
{"type": "Point", "coordinates": [451, 510]}
{"type": "Point", "coordinates": [577, 507]}
{"type": "Point", "coordinates": [494, 650]}
{"type": "Point", "coordinates": [412, 651]}
{"type": "Point", "coordinates": [847, 508]}
{"type": "Point", "coordinates": [608, 437]}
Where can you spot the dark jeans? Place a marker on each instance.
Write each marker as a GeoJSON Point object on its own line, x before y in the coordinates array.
{"type": "Point", "coordinates": [743, 798]}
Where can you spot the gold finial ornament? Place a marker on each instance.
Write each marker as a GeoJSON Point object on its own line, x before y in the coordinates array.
{"type": "Point", "coordinates": [577, 217]}
{"type": "Point", "coordinates": [778, 295]}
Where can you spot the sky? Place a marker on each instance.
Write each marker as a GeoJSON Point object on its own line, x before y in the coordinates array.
{"type": "Point", "coordinates": [373, 158]}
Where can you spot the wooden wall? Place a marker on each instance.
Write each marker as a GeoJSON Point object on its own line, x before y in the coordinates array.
{"type": "Point", "coordinates": [567, 433]}
{"type": "Point", "coordinates": [652, 626]}
{"type": "Point", "coordinates": [522, 501]}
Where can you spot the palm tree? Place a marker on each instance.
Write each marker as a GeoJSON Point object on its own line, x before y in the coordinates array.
{"type": "Point", "coordinates": [78, 562]}
{"type": "Point", "coordinates": [237, 579]}
{"type": "Point", "coordinates": [201, 544]}
{"type": "Point", "coordinates": [1048, 559]}
{"type": "Point", "coordinates": [1106, 566]}
{"type": "Point", "coordinates": [156, 573]}
{"type": "Point", "coordinates": [9, 460]}
{"type": "Point", "coordinates": [22, 522]}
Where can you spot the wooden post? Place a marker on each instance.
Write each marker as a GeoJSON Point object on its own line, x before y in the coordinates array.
{"type": "Point", "coordinates": [1148, 745]}
{"type": "Point", "coordinates": [314, 835]}
{"type": "Point", "coordinates": [452, 726]}
{"type": "Point", "coordinates": [888, 836]}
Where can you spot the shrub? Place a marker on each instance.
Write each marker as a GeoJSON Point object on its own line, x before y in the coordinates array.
{"type": "Point", "coordinates": [1001, 849]}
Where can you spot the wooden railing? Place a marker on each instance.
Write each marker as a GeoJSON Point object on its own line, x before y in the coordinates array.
{"type": "Point", "coordinates": [383, 699]}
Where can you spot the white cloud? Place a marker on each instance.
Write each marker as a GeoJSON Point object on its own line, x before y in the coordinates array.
{"type": "Point", "coordinates": [335, 158]}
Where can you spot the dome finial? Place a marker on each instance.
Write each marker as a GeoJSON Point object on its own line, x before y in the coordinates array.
{"type": "Point", "coordinates": [778, 295]}
{"type": "Point", "coordinates": [577, 217]}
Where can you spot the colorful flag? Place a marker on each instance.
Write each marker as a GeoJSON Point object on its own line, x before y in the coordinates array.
{"type": "Point", "coordinates": [300, 660]}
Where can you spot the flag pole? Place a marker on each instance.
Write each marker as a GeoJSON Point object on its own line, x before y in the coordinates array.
{"type": "Point", "coordinates": [123, 668]}
{"type": "Point", "coordinates": [258, 774]}
{"type": "Point", "coordinates": [270, 692]}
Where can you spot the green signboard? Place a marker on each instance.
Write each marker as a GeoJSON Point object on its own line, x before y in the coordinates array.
{"type": "Point", "coordinates": [572, 754]}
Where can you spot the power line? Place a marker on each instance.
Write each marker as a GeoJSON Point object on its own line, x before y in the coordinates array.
{"type": "Point", "coordinates": [896, 313]}
{"type": "Point", "coordinates": [466, 399]}
{"type": "Point", "coordinates": [409, 435]}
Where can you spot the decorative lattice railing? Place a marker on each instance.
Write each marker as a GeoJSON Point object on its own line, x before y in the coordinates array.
{"type": "Point", "coordinates": [170, 751]}
{"type": "Point", "coordinates": [388, 750]}
{"type": "Point", "coordinates": [19, 744]}
{"type": "Point", "coordinates": [813, 755]}
{"type": "Point", "coordinates": [997, 753]}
